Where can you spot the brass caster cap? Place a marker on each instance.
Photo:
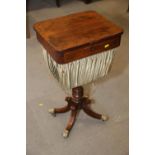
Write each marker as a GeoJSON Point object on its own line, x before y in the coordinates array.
{"type": "Point", "coordinates": [104, 118]}
{"type": "Point", "coordinates": [65, 133]}
{"type": "Point", "coordinates": [52, 111]}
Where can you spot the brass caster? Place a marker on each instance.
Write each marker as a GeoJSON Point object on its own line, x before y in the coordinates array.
{"type": "Point", "coordinates": [52, 111]}
{"type": "Point", "coordinates": [104, 118]}
{"type": "Point", "coordinates": [65, 133]}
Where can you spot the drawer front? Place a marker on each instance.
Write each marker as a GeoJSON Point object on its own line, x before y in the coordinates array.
{"type": "Point", "coordinates": [91, 49]}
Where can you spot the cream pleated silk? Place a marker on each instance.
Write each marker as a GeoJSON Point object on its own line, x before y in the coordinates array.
{"type": "Point", "coordinates": [82, 71]}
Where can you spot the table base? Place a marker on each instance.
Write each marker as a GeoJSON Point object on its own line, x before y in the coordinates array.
{"type": "Point", "coordinates": [75, 104]}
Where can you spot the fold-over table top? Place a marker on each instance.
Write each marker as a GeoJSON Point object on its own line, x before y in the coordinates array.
{"type": "Point", "coordinates": [65, 34]}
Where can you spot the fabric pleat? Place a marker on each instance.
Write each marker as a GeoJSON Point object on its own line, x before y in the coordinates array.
{"type": "Point", "coordinates": [82, 71]}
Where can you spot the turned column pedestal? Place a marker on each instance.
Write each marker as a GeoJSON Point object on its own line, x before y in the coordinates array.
{"type": "Point", "coordinates": [75, 103]}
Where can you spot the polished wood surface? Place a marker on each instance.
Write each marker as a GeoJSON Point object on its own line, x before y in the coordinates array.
{"type": "Point", "coordinates": [78, 35]}
{"type": "Point", "coordinates": [76, 103]}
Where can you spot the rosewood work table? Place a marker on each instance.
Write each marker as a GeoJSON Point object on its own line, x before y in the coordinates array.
{"type": "Point", "coordinates": [78, 49]}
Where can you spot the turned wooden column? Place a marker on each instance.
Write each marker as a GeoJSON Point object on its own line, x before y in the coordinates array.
{"type": "Point", "coordinates": [75, 103]}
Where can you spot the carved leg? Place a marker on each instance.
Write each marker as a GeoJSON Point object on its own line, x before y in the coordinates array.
{"type": "Point", "coordinates": [87, 1]}
{"type": "Point", "coordinates": [58, 3]}
{"type": "Point", "coordinates": [90, 112]}
{"type": "Point", "coordinates": [75, 103]}
{"type": "Point", "coordinates": [70, 123]}
{"type": "Point", "coordinates": [64, 109]}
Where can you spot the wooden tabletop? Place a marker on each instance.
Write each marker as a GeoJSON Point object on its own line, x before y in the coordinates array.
{"type": "Point", "coordinates": [75, 30]}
